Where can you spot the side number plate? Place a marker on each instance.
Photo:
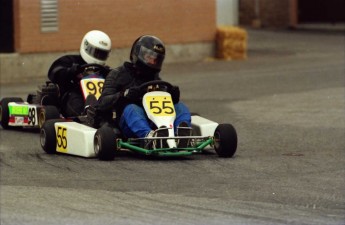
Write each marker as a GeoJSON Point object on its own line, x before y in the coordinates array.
{"type": "Point", "coordinates": [61, 139]}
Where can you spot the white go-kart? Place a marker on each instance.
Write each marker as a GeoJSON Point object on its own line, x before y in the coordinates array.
{"type": "Point", "coordinates": [69, 137]}
{"type": "Point", "coordinates": [44, 104]}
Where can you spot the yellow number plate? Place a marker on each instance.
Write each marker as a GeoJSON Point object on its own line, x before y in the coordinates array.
{"type": "Point", "coordinates": [160, 105]}
{"type": "Point", "coordinates": [92, 87]}
{"type": "Point", "coordinates": [61, 139]}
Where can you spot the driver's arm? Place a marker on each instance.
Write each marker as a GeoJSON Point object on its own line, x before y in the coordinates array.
{"type": "Point", "coordinates": [112, 92]}
{"type": "Point", "coordinates": [63, 71]}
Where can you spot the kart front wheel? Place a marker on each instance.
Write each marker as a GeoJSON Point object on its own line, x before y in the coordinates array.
{"type": "Point", "coordinates": [5, 111]}
{"type": "Point", "coordinates": [225, 140]}
{"type": "Point", "coordinates": [48, 136]}
{"type": "Point", "coordinates": [105, 143]}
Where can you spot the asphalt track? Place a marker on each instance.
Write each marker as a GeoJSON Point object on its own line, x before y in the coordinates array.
{"type": "Point", "coordinates": [287, 104]}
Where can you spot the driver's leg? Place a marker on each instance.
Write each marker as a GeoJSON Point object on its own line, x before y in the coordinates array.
{"type": "Point", "coordinates": [182, 115]}
{"type": "Point", "coordinates": [182, 124]}
{"type": "Point", "coordinates": [134, 122]}
{"type": "Point", "coordinates": [73, 104]}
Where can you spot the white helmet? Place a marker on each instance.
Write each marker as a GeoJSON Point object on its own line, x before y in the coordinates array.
{"type": "Point", "coordinates": [95, 47]}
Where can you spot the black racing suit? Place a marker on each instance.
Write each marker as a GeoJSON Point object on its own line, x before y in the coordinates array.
{"type": "Point", "coordinates": [116, 83]}
{"type": "Point", "coordinates": [64, 72]}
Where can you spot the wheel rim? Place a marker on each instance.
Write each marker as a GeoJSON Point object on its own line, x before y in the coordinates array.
{"type": "Point", "coordinates": [97, 145]}
{"type": "Point", "coordinates": [43, 138]}
{"type": "Point", "coordinates": [42, 119]}
{"type": "Point", "coordinates": [217, 140]}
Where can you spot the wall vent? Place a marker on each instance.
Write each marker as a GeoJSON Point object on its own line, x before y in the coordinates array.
{"type": "Point", "coordinates": [49, 16]}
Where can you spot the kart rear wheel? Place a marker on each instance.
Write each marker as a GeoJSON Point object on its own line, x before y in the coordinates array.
{"type": "Point", "coordinates": [48, 136]}
{"type": "Point", "coordinates": [105, 143]}
{"type": "Point", "coordinates": [225, 140]}
{"type": "Point", "coordinates": [47, 113]}
{"type": "Point", "coordinates": [5, 112]}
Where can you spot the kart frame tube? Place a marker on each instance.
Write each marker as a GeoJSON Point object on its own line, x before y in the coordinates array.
{"type": "Point", "coordinates": [167, 151]}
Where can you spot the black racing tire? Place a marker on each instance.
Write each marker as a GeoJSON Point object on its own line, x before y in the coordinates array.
{"type": "Point", "coordinates": [48, 136]}
{"type": "Point", "coordinates": [105, 143]}
{"type": "Point", "coordinates": [5, 112]}
{"type": "Point", "coordinates": [48, 112]}
{"type": "Point", "coordinates": [225, 140]}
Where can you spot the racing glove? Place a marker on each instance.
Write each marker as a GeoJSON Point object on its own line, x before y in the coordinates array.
{"type": "Point", "coordinates": [175, 94]}
{"type": "Point", "coordinates": [133, 93]}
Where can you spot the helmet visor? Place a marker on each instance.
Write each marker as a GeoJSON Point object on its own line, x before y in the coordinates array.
{"type": "Point", "coordinates": [151, 58]}
{"type": "Point", "coordinates": [97, 53]}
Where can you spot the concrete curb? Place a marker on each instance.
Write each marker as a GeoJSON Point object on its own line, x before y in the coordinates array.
{"type": "Point", "coordinates": [17, 67]}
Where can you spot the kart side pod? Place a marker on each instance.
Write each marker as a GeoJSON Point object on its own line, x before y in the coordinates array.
{"type": "Point", "coordinates": [224, 135]}
{"type": "Point", "coordinates": [202, 126]}
{"type": "Point", "coordinates": [68, 138]}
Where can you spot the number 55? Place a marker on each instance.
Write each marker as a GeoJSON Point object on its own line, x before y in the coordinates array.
{"type": "Point", "coordinates": [161, 107]}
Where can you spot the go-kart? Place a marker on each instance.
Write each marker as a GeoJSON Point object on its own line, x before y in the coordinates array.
{"type": "Point", "coordinates": [59, 136]}
{"type": "Point", "coordinates": [45, 105]}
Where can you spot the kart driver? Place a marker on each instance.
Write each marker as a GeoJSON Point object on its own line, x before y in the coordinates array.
{"type": "Point", "coordinates": [121, 91]}
{"type": "Point", "coordinates": [66, 71]}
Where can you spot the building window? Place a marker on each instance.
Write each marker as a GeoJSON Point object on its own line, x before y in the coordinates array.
{"type": "Point", "coordinates": [49, 16]}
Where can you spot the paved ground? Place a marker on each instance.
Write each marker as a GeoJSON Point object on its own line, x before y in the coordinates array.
{"type": "Point", "coordinates": [287, 104]}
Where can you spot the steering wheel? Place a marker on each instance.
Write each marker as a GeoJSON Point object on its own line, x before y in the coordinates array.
{"type": "Point", "coordinates": [91, 68]}
{"type": "Point", "coordinates": [155, 85]}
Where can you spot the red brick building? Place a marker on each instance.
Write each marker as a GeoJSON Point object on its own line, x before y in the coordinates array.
{"type": "Point", "coordinates": [33, 33]}
{"type": "Point", "coordinates": [31, 26]}
{"type": "Point", "coordinates": [174, 21]}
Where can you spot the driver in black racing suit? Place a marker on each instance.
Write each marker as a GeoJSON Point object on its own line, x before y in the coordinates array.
{"type": "Point", "coordinates": [121, 90]}
{"type": "Point", "coordinates": [66, 71]}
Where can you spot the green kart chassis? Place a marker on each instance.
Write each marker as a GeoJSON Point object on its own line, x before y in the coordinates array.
{"type": "Point", "coordinates": [200, 143]}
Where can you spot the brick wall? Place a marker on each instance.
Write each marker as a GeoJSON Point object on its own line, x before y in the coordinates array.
{"type": "Point", "coordinates": [174, 21]}
{"type": "Point", "coordinates": [273, 13]}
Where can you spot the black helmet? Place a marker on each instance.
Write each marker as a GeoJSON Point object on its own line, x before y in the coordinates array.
{"type": "Point", "coordinates": [148, 52]}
